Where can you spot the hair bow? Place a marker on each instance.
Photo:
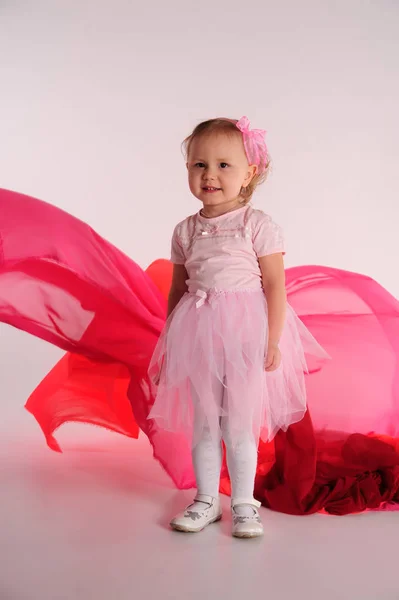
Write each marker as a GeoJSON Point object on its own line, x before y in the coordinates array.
{"type": "Point", "coordinates": [254, 144]}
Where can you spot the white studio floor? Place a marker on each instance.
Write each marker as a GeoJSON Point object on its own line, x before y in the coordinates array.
{"type": "Point", "coordinates": [92, 523]}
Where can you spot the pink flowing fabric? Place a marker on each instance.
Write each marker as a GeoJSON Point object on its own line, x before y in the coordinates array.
{"type": "Point", "coordinates": [62, 282]}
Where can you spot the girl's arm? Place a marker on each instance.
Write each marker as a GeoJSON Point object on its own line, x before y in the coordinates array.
{"type": "Point", "coordinates": [273, 277]}
{"type": "Point", "coordinates": [178, 288]}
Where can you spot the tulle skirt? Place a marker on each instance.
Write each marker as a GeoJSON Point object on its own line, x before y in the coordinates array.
{"type": "Point", "coordinates": [224, 340]}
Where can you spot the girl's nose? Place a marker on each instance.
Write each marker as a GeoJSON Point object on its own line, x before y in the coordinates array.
{"type": "Point", "coordinates": [208, 173]}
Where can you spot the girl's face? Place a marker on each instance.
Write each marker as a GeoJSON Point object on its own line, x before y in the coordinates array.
{"type": "Point", "coordinates": [218, 169]}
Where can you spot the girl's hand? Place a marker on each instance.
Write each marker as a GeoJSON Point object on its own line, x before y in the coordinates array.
{"type": "Point", "coordinates": [273, 358]}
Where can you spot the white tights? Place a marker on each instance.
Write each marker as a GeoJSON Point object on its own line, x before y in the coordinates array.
{"type": "Point", "coordinates": [241, 459]}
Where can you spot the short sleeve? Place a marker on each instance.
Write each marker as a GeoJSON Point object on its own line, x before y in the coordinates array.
{"type": "Point", "coordinates": [177, 254]}
{"type": "Point", "coordinates": [268, 237]}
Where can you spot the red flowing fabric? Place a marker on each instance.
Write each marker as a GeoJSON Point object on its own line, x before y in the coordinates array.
{"type": "Point", "coordinates": [62, 282]}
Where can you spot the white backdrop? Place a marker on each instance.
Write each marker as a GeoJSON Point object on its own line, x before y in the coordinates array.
{"type": "Point", "coordinates": [96, 97]}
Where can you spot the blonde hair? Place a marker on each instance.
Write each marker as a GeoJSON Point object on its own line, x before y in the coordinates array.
{"type": "Point", "coordinates": [226, 127]}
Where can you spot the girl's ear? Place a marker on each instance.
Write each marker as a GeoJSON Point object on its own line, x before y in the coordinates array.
{"type": "Point", "coordinates": [252, 170]}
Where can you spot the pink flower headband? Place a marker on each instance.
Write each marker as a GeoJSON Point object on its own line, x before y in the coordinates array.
{"type": "Point", "coordinates": [254, 144]}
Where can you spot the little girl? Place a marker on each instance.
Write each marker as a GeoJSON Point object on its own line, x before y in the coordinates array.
{"type": "Point", "coordinates": [217, 368]}
{"type": "Point", "coordinates": [230, 363]}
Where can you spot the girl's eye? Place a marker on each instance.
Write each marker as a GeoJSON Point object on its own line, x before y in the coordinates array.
{"type": "Point", "coordinates": [224, 165]}
{"type": "Point", "coordinates": [200, 165]}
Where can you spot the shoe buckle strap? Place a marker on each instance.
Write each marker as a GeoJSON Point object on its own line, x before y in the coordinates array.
{"type": "Point", "coordinates": [204, 498]}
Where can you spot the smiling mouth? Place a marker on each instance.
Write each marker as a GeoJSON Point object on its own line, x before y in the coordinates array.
{"type": "Point", "coordinates": [211, 189]}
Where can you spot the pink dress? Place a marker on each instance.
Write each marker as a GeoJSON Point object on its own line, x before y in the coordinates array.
{"type": "Point", "coordinates": [218, 334]}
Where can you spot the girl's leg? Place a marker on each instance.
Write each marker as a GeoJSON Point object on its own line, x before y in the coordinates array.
{"type": "Point", "coordinates": [207, 448]}
{"type": "Point", "coordinates": [242, 459]}
{"type": "Point", "coordinates": [207, 462]}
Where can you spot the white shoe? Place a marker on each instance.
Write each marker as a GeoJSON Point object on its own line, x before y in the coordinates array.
{"type": "Point", "coordinates": [202, 512]}
{"type": "Point", "coordinates": [246, 519]}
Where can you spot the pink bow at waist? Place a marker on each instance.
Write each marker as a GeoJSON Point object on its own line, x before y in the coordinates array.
{"type": "Point", "coordinates": [202, 296]}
